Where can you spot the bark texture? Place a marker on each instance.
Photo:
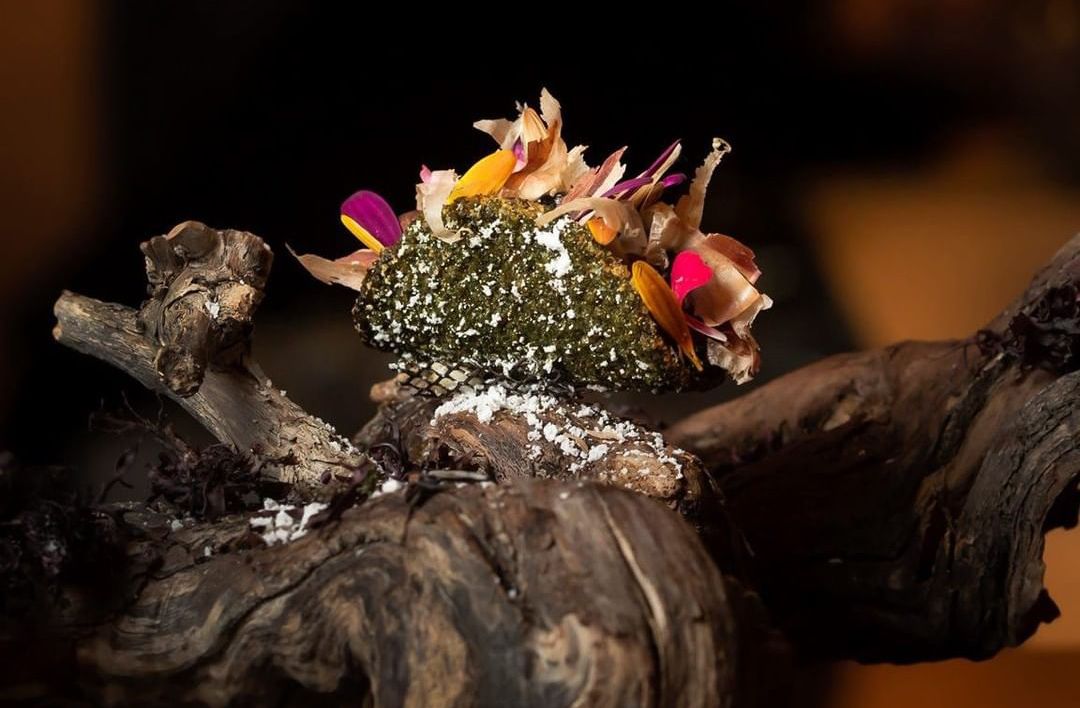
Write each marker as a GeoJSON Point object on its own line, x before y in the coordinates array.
{"type": "Point", "coordinates": [190, 340]}
{"type": "Point", "coordinates": [887, 505]}
{"type": "Point", "coordinates": [532, 594]}
{"type": "Point", "coordinates": [892, 504]}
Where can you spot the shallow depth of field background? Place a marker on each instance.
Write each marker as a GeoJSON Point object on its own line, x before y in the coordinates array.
{"type": "Point", "coordinates": [900, 166]}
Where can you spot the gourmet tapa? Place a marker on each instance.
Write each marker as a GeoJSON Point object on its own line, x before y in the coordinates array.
{"type": "Point", "coordinates": [534, 266]}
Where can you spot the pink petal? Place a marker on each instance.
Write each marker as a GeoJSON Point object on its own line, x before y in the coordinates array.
{"type": "Point", "coordinates": [688, 273]}
{"type": "Point", "coordinates": [519, 153]}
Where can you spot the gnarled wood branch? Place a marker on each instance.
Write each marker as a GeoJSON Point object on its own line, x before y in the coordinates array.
{"type": "Point", "coordinates": [526, 593]}
{"type": "Point", "coordinates": [190, 341]}
{"type": "Point", "coordinates": [893, 503]}
{"type": "Point", "coordinates": [889, 504]}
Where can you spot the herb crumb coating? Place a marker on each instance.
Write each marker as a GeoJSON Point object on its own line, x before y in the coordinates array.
{"type": "Point", "coordinates": [517, 300]}
{"type": "Point", "coordinates": [535, 267]}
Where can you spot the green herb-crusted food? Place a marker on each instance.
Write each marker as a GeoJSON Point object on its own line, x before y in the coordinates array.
{"type": "Point", "coordinates": [535, 267]}
{"type": "Point", "coordinates": [515, 299]}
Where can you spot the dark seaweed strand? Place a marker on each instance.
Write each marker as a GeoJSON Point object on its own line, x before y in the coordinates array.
{"type": "Point", "coordinates": [505, 301]}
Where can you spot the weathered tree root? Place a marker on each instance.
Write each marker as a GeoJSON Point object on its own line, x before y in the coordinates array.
{"type": "Point", "coordinates": [893, 503]}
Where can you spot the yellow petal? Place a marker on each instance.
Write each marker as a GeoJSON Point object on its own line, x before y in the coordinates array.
{"type": "Point", "coordinates": [601, 232]}
{"type": "Point", "coordinates": [485, 177]}
{"type": "Point", "coordinates": [664, 308]}
{"type": "Point", "coordinates": [361, 233]}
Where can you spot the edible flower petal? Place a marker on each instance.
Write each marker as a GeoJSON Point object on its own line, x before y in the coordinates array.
{"type": "Point", "coordinates": [661, 303]}
{"type": "Point", "coordinates": [370, 218]}
{"type": "Point", "coordinates": [487, 176]}
{"type": "Point", "coordinates": [726, 295]}
{"type": "Point", "coordinates": [740, 355]}
{"type": "Point", "coordinates": [361, 233]}
{"type": "Point", "coordinates": [689, 272]}
{"type": "Point", "coordinates": [543, 163]}
{"type": "Point", "coordinates": [691, 206]}
{"type": "Point", "coordinates": [737, 252]}
{"type": "Point", "coordinates": [349, 270]}
{"type": "Point", "coordinates": [601, 232]}
{"type": "Point", "coordinates": [599, 180]}
{"type": "Point", "coordinates": [431, 195]}
{"type": "Point", "coordinates": [619, 216]}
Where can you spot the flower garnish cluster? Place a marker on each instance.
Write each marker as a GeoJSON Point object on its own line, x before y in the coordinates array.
{"type": "Point", "coordinates": [698, 287]}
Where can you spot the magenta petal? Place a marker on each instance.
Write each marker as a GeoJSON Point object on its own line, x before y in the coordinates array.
{"type": "Point", "coordinates": [374, 215]}
{"type": "Point", "coordinates": [673, 180]}
{"type": "Point", "coordinates": [688, 273]}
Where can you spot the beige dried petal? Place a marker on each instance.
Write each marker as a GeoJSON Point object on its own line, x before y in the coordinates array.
{"type": "Point", "coordinates": [349, 270]}
{"type": "Point", "coordinates": [691, 205]}
{"type": "Point", "coordinates": [430, 198]}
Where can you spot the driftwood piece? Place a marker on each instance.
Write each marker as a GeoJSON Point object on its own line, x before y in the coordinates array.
{"type": "Point", "coordinates": [191, 341]}
{"type": "Point", "coordinates": [893, 503]}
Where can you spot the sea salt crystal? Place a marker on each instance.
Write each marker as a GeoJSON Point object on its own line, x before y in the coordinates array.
{"type": "Point", "coordinates": [597, 452]}
{"type": "Point", "coordinates": [551, 239]}
{"type": "Point", "coordinates": [390, 486]}
{"type": "Point", "coordinates": [282, 527]}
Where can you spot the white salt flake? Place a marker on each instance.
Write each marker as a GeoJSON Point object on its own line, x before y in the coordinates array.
{"type": "Point", "coordinates": [282, 527]}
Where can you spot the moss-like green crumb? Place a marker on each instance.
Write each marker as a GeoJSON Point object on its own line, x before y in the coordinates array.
{"type": "Point", "coordinates": [517, 300]}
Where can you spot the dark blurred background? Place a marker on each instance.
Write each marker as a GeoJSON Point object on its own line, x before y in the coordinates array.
{"type": "Point", "coordinates": [900, 166]}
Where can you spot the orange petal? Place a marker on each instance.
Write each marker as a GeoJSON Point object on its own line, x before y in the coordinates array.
{"type": "Point", "coordinates": [600, 231]}
{"type": "Point", "coordinates": [664, 308]}
{"type": "Point", "coordinates": [485, 177]}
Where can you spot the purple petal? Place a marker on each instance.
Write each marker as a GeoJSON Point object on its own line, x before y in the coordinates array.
{"type": "Point", "coordinates": [672, 180]}
{"type": "Point", "coordinates": [627, 186]}
{"type": "Point", "coordinates": [660, 160]}
{"type": "Point", "coordinates": [371, 212]}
